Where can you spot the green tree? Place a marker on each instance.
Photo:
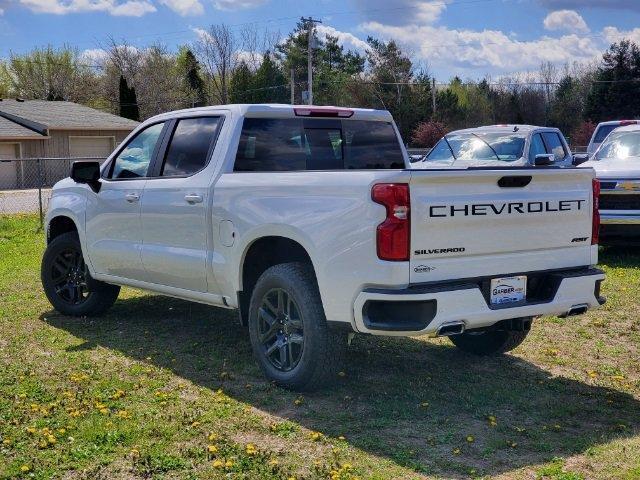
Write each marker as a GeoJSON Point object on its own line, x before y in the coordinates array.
{"type": "Point", "coordinates": [616, 90]}
{"type": "Point", "coordinates": [51, 74]}
{"type": "Point", "coordinates": [269, 83]}
{"type": "Point", "coordinates": [189, 70]}
{"type": "Point", "coordinates": [241, 84]}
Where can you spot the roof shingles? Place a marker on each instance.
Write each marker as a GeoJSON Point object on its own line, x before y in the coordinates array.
{"type": "Point", "coordinates": [63, 116]}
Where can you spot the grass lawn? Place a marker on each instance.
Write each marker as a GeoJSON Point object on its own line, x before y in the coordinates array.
{"type": "Point", "coordinates": [161, 388]}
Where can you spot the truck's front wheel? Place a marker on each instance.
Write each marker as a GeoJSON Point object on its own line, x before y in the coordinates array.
{"type": "Point", "coordinates": [67, 283]}
{"type": "Point", "coordinates": [489, 342]}
{"type": "Point", "coordinates": [288, 329]}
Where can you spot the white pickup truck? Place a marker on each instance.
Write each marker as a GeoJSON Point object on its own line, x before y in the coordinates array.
{"type": "Point", "coordinates": [309, 221]}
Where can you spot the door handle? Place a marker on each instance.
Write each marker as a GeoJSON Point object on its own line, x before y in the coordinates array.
{"type": "Point", "coordinates": [132, 197]}
{"type": "Point", "coordinates": [193, 198]}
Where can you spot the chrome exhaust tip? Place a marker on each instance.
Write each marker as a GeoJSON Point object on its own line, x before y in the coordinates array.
{"type": "Point", "coordinates": [576, 310]}
{"type": "Point", "coordinates": [450, 328]}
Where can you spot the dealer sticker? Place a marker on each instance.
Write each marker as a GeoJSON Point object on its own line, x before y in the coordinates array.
{"type": "Point", "coordinates": [508, 290]}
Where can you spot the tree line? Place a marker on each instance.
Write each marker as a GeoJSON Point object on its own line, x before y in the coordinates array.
{"type": "Point", "coordinates": [249, 66]}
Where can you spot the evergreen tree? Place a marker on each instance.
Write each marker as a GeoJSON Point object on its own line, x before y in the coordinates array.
{"type": "Point", "coordinates": [128, 101]}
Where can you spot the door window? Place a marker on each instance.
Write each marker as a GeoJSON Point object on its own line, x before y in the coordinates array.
{"type": "Point", "coordinates": [133, 161]}
{"type": "Point", "coordinates": [554, 145]}
{"type": "Point", "coordinates": [188, 151]}
{"type": "Point", "coordinates": [537, 148]}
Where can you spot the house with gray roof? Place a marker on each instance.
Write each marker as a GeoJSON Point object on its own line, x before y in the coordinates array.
{"type": "Point", "coordinates": [52, 129]}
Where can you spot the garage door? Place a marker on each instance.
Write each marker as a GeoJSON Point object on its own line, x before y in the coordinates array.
{"type": "Point", "coordinates": [8, 170]}
{"type": "Point", "coordinates": [90, 146]}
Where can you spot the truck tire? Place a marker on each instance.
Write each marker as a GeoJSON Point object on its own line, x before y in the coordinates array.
{"type": "Point", "coordinates": [288, 330]}
{"type": "Point", "coordinates": [489, 342]}
{"type": "Point", "coordinates": [67, 283]}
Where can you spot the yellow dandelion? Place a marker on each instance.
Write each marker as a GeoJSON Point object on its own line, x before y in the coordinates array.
{"type": "Point", "coordinates": [298, 401]}
{"type": "Point", "coordinates": [218, 463]}
{"type": "Point", "coordinates": [6, 441]}
{"type": "Point", "coordinates": [470, 438]}
{"type": "Point", "coordinates": [104, 411]}
{"type": "Point", "coordinates": [212, 449]}
{"type": "Point", "coordinates": [456, 451]}
{"type": "Point", "coordinates": [31, 430]}
{"type": "Point", "coordinates": [251, 449]}
{"type": "Point", "coordinates": [134, 453]}
{"type": "Point", "coordinates": [25, 468]}
{"type": "Point", "coordinates": [315, 436]}
{"type": "Point", "coordinates": [273, 462]}
{"type": "Point", "coordinates": [62, 431]}
{"type": "Point", "coordinates": [424, 404]}
{"type": "Point", "coordinates": [592, 373]}
{"type": "Point", "coordinates": [195, 424]}
{"type": "Point", "coordinates": [228, 464]}
{"type": "Point", "coordinates": [51, 439]}
{"type": "Point", "coordinates": [212, 437]}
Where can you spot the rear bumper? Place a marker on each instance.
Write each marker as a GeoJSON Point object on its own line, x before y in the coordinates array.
{"type": "Point", "coordinates": [423, 309]}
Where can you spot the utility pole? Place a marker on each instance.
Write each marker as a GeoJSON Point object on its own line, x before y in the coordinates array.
{"type": "Point", "coordinates": [310, 24]}
{"type": "Point", "coordinates": [293, 83]}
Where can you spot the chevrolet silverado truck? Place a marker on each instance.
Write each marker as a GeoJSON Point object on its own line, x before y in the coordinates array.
{"type": "Point", "coordinates": [617, 166]}
{"type": "Point", "coordinates": [310, 222]}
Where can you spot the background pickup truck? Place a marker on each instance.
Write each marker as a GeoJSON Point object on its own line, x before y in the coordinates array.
{"type": "Point", "coordinates": [309, 221]}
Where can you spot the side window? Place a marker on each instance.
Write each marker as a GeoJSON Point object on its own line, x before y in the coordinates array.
{"type": "Point", "coordinates": [554, 145]}
{"type": "Point", "coordinates": [537, 148]}
{"type": "Point", "coordinates": [133, 161]}
{"type": "Point", "coordinates": [268, 145]}
{"type": "Point", "coordinates": [188, 150]}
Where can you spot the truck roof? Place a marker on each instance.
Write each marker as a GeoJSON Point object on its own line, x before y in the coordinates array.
{"type": "Point", "coordinates": [628, 128]}
{"type": "Point", "coordinates": [525, 129]}
{"type": "Point", "coordinates": [278, 110]}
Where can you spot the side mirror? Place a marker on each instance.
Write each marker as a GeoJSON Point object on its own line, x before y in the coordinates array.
{"type": "Point", "coordinates": [579, 158]}
{"type": "Point", "coordinates": [86, 172]}
{"type": "Point", "coordinates": [544, 159]}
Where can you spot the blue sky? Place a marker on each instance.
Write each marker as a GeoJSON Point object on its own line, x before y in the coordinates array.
{"type": "Point", "coordinates": [469, 38]}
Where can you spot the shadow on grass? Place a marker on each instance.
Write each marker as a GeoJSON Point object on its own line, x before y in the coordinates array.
{"type": "Point", "coordinates": [380, 405]}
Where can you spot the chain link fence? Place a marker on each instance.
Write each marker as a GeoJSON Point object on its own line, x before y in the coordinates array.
{"type": "Point", "coordinates": [25, 183]}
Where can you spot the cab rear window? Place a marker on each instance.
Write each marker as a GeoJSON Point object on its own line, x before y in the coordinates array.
{"type": "Point", "coordinates": [294, 144]}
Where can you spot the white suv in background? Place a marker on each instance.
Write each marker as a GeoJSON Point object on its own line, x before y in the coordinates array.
{"type": "Point", "coordinates": [499, 146]}
{"type": "Point", "coordinates": [602, 130]}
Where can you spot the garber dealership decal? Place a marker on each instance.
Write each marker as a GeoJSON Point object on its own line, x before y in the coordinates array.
{"type": "Point", "coordinates": [506, 208]}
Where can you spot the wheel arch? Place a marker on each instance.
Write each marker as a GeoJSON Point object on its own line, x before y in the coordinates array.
{"type": "Point", "coordinates": [60, 224]}
{"type": "Point", "coordinates": [262, 253]}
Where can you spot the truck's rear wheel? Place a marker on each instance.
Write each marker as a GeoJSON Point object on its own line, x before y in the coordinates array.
{"type": "Point", "coordinates": [489, 342]}
{"type": "Point", "coordinates": [67, 283]}
{"type": "Point", "coordinates": [288, 329]}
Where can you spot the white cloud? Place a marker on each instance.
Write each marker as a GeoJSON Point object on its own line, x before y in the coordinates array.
{"type": "Point", "coordinates": [94, 56]}
{"type": "Point", "coordinates": [346, 39]}
{"type": "Point", "coordinates": [230, 5]}
{"type": "Point", "coordinates": [133, 8]}
{"type": "Point", "coordinates": [401, 11]}
{"type": "Point", "coordinates": [486, 51]}
{"type": "Point", "coordinates": [567, 20]}
{"type": "Point", "coordinates": [184, 7]}
{"type": "Point", "coordinates": [613, 35]}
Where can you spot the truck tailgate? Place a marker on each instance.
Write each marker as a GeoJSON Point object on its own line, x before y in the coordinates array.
{"type": "Point", "coordinates": [470, 223]}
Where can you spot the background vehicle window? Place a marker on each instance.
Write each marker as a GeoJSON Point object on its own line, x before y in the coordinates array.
{"type": "Point", "coordinates": [537, 148]}
{"type": "Point", "coordinates": [554, 145]}
{"type": "Point", "coordinates": [133, 161]}
{"type": "Point", "coordinates": [189, 147]}
{"type": "Point", "coordinates": [620, 145]}
{"type": "Point", "coordinates": [602, 132]}
{"type": "Point", "coordinates": [440, 151]}
{"type": "Point", "coordinates": [316, 144]}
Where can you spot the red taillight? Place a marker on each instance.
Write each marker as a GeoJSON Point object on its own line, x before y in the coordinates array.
{"type": "Point", "coordinates": [323, 112]}
{"type": "Point", "coordinates": [595, 226]}
{"type": "Point", "coordinates": [624, 123]}
{"type": "Point", "coordinates": [393, 235]}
